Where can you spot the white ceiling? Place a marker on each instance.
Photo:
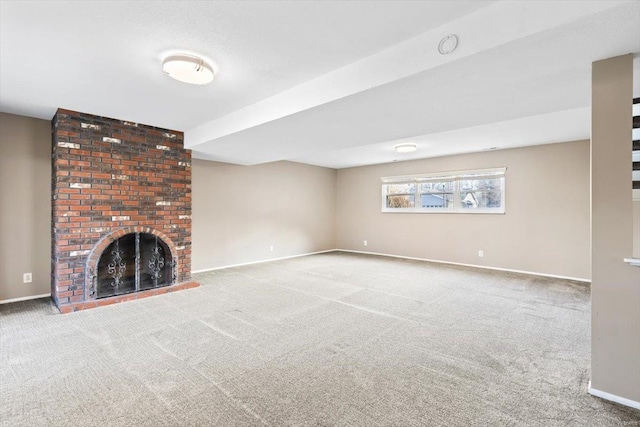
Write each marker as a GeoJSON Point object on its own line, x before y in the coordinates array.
{"type": "Point", "coordinates": [335, 84]}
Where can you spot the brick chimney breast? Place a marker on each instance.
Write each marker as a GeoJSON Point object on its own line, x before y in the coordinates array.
{"type": "Point", "coordinates": [111, 178]}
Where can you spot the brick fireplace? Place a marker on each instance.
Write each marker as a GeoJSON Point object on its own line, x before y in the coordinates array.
{"type": "Point", "coordinates": [121, 211]}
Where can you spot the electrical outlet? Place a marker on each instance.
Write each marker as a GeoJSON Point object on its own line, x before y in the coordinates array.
{"type": "Point", "coordinates": [364, 243]}
{"type": "Point", "coordinates": [27, 278]}
{"type": "Point", "coordinates": [271, 248]}
{"type": "Point", "coordinates": [481, 254]}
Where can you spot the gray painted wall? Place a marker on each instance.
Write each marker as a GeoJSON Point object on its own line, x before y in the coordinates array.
{"type": "Point", "coordinates": [545, 228]}
{"type": "Point", "coordinates": [25, 206]}
{"type": "Point", "coordinates": [239, 212]}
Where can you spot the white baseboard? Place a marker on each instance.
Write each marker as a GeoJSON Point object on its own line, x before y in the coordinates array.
{"type": "Point", "coordinates": [8, 301]}
{"type": "Point", "coordinates": [260, 261]}
{"type": "Point", "coordinates": [612, 397]}
{"type": "Point", "coordinates": [533, 273]}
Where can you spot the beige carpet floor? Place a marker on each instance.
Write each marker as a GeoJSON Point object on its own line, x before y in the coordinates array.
{"type": "Point", "coordinates": [326, 340]}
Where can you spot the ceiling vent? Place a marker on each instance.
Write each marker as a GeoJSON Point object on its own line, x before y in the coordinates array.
{"type": "Point", "coordinates": [448, 44]}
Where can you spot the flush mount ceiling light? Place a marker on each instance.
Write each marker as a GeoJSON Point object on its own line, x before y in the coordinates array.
{"type": "Point", "coordinates": [405, 148]}
{"type": "Point", "coordinates": [188, 69]}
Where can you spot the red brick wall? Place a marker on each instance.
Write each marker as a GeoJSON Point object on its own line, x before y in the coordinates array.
{"type": "Point", "coordinates": [107, 175]}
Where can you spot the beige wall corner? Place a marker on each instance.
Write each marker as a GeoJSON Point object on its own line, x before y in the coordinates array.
{"type": "Point", "coordinates": [615, 289]}
{"type": "Point", "coordinates": [25, 206]}
{"type": "Point", "coordinates": [545, 228]}
{"type": "Point", "coordinates": [244, 214]}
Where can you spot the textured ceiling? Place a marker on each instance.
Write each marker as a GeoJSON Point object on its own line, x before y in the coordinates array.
{"type": "Point", "coordinates": [328, 83]}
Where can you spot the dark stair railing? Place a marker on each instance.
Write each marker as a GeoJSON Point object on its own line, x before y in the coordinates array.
{"type": "Point", "coordinates": [636, 176]}
{"type": "Point", "coordinates": [636, 146]}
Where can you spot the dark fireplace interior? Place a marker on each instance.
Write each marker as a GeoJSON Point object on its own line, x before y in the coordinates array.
{"type": "Point", "coordinates": [132, 263]}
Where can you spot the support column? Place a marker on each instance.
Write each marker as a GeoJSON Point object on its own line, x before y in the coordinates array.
{"type": "Point", "coordinates": [615, 287]}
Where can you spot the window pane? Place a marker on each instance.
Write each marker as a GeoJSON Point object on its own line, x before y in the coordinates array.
{"type": "Point", "coordinates": [480, 184]}
{"type": "Point", "coordinates": [401, 188]}
{"type": "Point", "coordinates": [436, 194]}
{"type": "Point", "coordinates": [481, 193]}
{"type": "Point", "coordinates": [436, 200]}
{"type": "Point", "coordinates": [437, 187]}
{"type": "Point", "coordinates": [401, 201]}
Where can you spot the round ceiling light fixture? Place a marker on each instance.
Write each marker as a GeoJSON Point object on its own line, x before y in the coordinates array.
{"type": "Point", "coordinates": [405, 148]}
{"type": "Point", "coordinates": [448, 44]}
{"type": "Point", "coordinates": [188, 69]}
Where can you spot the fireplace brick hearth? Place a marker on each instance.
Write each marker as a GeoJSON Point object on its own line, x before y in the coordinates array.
{"type": "Point", "coordinates": [109, 178]}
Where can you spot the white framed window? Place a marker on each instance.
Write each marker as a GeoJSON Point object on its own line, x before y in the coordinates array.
{"type": "Point", "coordinates": [472, 191]}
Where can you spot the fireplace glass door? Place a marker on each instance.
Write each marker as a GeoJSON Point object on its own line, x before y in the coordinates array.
{"type": "Point", "coordinates": [132, 263]}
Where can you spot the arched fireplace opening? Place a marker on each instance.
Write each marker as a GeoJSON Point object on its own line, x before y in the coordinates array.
{"type": "Point", "coordinates": [134, 262]}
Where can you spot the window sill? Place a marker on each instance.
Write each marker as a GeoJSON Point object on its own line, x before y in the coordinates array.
{"type": "Point", "coordinates": [443, 211]}
{"type": "Point", "coordinates": [633, 261]}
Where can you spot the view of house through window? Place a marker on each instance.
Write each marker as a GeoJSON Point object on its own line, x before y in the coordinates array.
{"type": "Point", "coordinates": [477, 191]}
